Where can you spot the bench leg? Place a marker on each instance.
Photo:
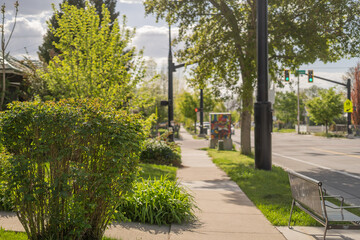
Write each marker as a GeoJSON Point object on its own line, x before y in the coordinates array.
{"type": "Point", "coordinates": [326, 226]}
{"type": "Point", "coordinates": [292, 207]}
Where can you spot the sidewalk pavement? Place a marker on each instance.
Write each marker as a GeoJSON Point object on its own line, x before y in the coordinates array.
{"type": "Point", "coordinates": [225, 211]}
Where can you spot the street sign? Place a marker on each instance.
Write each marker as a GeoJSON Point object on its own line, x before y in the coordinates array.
{"type": "Point", "coordinates": [348, 106]}
{"type": "Point", "coordinates": [300, 71]}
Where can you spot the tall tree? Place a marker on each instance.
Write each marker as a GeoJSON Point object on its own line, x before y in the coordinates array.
{"type": "Point", "coordinates": [92, 60]}
{"type": "Point", "coordinates": [286, 107]}
{"type": "Point", "coordinates": [47, 50]}
{"type": "Point", "coordinates": [325, 108]}
{"type": "Point", "coordinates": [355, 96]}
{"type": "Point", "coordinates": [220, 37]}
{"type": "Point", "coordinates": [354, 75]}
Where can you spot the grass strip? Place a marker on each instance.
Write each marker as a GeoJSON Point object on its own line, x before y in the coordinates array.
{"type": "Point", "coordinates": [157, 172]}
{"type": "Point", "coordinates": [284, 130]}
{"type": "Point", "coordinates": [268, 190]}
{"type": "Point", "coordinates": [10, 235]}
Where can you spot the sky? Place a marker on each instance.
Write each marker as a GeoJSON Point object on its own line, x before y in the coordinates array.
{"type": "Point", "coordinates": [151, 36]}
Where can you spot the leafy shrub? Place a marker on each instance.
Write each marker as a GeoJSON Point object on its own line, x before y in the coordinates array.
{"type": "Point", "coordinates": [5, 203]}
{"type": "Point", "coordinates": [158, 202]}
{"type": "Point", "coordinates": [161, 152]}
{"type": "Point", "coordinates": [70, 164]}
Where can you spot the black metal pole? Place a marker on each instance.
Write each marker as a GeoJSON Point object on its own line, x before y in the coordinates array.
{"type": "Point", "coordinates": [262, 108]}
{"type": "Point", "coordinates": [201, 112]}
{"type": "Point", "coordinates": [348, 86]}
{"type": "Point", "coordinates": [170, 90]}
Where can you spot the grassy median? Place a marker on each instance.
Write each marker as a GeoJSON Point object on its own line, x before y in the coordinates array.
{"type": "Point", "coordinates": [268, 190]}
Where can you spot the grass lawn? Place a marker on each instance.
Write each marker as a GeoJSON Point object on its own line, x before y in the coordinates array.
{"type": "Point", "coordinates": [330, 135]}
{"type": "Point", "coordinates": [268, 190]}
{"type": "Point", "coordinates": [8, 235]}
{"type": "Point", "coordinates": [284, 130]}
{"type": "Point", "coordinates": [156, 171]}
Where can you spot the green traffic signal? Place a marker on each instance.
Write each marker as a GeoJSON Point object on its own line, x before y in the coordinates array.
{"type": "Point", "coordinates": [310, 76]}
{"type": "Point", "coordinates": [287, 75]}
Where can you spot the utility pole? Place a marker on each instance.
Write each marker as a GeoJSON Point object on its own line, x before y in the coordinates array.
{"type": "Point", "coordinates": [262, 108]}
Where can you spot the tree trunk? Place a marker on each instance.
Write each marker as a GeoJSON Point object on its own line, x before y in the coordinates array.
{"type": "Point", "coordinates": [326, 127]}
{"type": "Point", "coordinates": [246, 125]}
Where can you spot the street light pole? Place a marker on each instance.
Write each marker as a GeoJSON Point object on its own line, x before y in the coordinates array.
{"type": "Point", "coordinates": [262, 108]}
{"type": "Point", "coordinates": [170, 90]}
{"type": "Point", "coordinates": [201, 112]}
{"type": "Point", "coordinates": [298, 104]}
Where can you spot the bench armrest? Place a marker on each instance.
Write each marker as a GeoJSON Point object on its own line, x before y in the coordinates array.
{"type": "Point", "coordinates": [342, 207]}
{"type": "Point", "coordinates": [334, 196]}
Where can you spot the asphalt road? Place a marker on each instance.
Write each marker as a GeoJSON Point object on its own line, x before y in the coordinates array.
{"type": "Point", "coordinates": [334, 161]}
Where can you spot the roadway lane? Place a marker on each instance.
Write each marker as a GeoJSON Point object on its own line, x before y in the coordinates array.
{"type": "Point", "coordinates": [334, 161]}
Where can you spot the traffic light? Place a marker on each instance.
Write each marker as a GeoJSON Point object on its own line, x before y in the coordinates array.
{"type": "Point", "coordinates": [196, 110]}
{"type": "Point", "coordinates": [287, 75]}
{"type": "Point", "coordinates": [311, 76]}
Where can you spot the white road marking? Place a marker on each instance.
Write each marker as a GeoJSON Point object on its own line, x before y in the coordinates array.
{"type": "Point", "coordinates": [317, 165]}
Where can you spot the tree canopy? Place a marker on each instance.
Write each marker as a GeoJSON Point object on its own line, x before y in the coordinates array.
{"type": "Point", "coordinates": [325, 108]}
{"type": "Point", "coordinates": [93, 61]}
{"type": "Point", "coordinates": [47, 50]}
{"type": "Point", "coordinates": [286, 107]}
{"type": "Point", "coordinates": [220, 37]}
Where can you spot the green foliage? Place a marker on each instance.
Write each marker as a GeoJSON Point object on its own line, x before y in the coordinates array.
{"type": "Point", "coordinates": [5, 202]}
{"type": "Point", "coordinates": [70, 164]}
{"type": "Point", "coordinates": [325, 108]}
{"type": "Point", "coordinates": [161, 152]}
{"type": "Point", "coordinates": [187, 102]}
{"type": "Point", "coordinates": [96, 60]}
{"type": "Point", "coordinates": [268, 190]}
{"type": "Point", "coordinates": [47, 50]}
{"type": "Point", "coordinates": [286, 107]}
{"type": "Point", "coordinates": [158, 202]}
{"type": "Point", "coordinates": [330, 135]}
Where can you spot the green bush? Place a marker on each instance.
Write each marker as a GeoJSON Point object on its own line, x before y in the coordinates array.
{"type": "Point", "coordinates": [158, 202]}
{"type": "Point", "coordinates": [161, 152]}
{"type": "Point", "coordinates": [70, 164]}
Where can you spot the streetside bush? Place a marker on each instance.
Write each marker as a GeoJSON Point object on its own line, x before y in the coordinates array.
{"type": "Point", "coordinates": [70, 164]}
{"type": "Point", "coordinates": [161, 153]}
{"type": "Point", "coordinates": [158, 202]}
{"type": "Point", "coordinates": [5, 203]}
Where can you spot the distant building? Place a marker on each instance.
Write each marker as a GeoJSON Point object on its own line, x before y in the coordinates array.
{"type": "Point", "coordinates": [15, 73]}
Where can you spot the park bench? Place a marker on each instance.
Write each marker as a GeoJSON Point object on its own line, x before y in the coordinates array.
{"type": "Point", "coordinates": [309, 195]}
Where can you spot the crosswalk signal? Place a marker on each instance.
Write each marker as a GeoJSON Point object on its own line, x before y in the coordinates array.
{"type": "Point", "coordinates": [287, 75]}
{"type": "Point", "coordinates": [310, 76]}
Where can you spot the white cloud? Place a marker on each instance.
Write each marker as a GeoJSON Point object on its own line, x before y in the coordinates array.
{"type": "Point", "coordinates": [154, 40]}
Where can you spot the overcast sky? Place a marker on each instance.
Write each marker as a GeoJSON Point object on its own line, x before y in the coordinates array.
{"type": "Point", "coordinates": [151, 36]}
